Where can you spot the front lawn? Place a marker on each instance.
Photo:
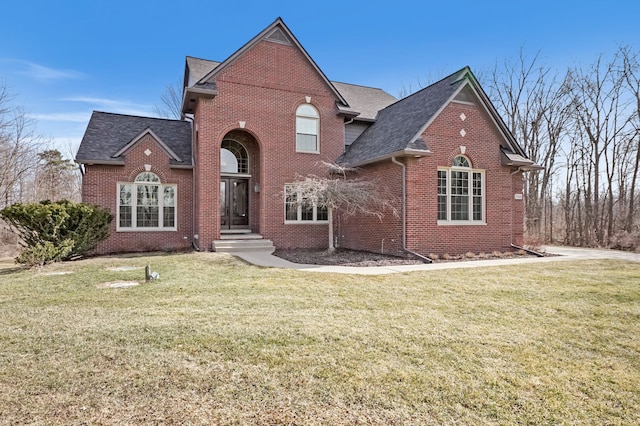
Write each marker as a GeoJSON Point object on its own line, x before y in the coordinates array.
{"type": "Point", "coordinates": [215, 341]}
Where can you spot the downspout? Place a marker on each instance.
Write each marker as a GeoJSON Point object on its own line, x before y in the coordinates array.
{"type": "Point", "coordinates": [194, 243]}
{"type": "Point", "coordinates": [404, 212]}
{"type": "Point", "coordinates": [518, 170]}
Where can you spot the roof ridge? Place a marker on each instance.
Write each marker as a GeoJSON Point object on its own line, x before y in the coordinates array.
{"type": "Point", "coordinates": [427, 87]}
{"type": "Point", "coordinates": [200, 59]}
{"type": "Point", "coordinates": [140, 116]}
{"type": "Point", "coordinates": [358, 85]}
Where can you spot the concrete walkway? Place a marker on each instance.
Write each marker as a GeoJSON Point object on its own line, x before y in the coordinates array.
{"type": "Point", "coordinates": [565, 254]}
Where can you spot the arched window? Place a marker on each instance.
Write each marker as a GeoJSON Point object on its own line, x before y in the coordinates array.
{"type": "Point", "coordinates": [233, 157]}
{"type": "Point", "coordinates": [461, 192]}
{"type": "Point", "coordinates": [146, 204]}
{"type": "Point", "coordinates": [307, 125]}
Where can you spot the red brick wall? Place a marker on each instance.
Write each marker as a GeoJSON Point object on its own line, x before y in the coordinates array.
{"type": "Point", "coordinates": [503, 213]}
{"type": "Point", "coordinates": [361, 232]}
{"type": "Point", "coordinates": [99, 186]}
{"type": "Point", "coordinates": [263, 88]}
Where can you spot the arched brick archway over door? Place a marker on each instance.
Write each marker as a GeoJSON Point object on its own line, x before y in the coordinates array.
{"type": "Point", "coordinates": [239, 183]}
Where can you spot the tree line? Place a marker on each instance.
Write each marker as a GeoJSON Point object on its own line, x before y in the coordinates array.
{"type": "Point", "coordinates": [583, 125]}
{"type": "Point", "coordinates": [29, 169]}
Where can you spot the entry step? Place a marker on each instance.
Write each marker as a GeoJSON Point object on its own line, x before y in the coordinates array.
{"type": "Point", "coordinates": [243, 244]}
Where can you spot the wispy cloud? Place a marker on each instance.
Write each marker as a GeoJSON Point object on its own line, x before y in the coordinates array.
{"type": "Point", "coordinates": [76, 117]}
{"type": "Point", "coordinates": [113, 105]}
{"type": "Point", "coordinates": [46, 74]}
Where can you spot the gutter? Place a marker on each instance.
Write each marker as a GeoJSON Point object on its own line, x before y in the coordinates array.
{"type": "Point", "coordinates": [393, 155]}
{"type": "Point", "coordinates": [404, 212]}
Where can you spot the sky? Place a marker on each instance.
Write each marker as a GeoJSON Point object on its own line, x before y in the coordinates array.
{"type": "Point", "coordinates": [64, 59]}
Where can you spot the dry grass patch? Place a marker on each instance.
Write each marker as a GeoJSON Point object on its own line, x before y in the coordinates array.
{"type": "Point", "coordinates": [215, 341]}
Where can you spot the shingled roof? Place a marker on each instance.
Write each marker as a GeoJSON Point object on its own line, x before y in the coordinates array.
{"type": "Point", "coordinates": [398, 128]}
{"type": "Point", "coordinates": [197, 68]}
{"type": "Point", "coordinates": [108, 134]}
{"type": "Point", "coordinates": [365, 100]}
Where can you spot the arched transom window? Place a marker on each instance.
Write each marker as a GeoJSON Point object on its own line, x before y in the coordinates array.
{"type": "Point", "coordinates": [233, 157]}
{"type": "Point", "coordinates": [146, 204]}
{"type": "Point", "coordinates": [307, 125]}
{"type": "Point", "coordinates": [461, 193]}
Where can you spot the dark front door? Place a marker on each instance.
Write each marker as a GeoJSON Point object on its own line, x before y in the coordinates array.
{"type": "Point", "coordinates": [234, 203]}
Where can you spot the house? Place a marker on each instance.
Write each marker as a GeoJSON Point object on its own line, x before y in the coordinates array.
{"type": "Point", "coordinates": [268, 114]}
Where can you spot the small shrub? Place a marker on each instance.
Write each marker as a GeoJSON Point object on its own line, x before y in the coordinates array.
{"type": "Point", "coordinates": [470, 255]}
{"type": "Point", "coordinates": [446, 256]}
{"type": "Point", "coordinates": [483, 255]}
{"type": "Point", "coordinates": [508, 254]}
{"type": "Point", "coordinates": [44, 253]}
{"type": "Point", "coordinates": [628, 241]}
{"type": "Point", "coordinates": [497, 254]}
{"type": "Point", "coordinates": [433, 256]}
{"type": "Point", "coordinates": [521, 252]}
{"type": "Point", "coordinates": [56, 231]}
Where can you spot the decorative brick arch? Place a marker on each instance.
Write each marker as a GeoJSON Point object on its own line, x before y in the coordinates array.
{"type": "Point", "coordinates": [453, 154]}
{"type": "Point", "coordinates": [135, 172]}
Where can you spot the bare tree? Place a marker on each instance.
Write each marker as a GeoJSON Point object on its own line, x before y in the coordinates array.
{"type": "Point", "coordinates": [170, 101]}
{"type": "Point", "coordinates": [343, 191]}
{"type": "Point", "coordinates": [535, 106]}
{"type": "Point", "coordinates": [18, 151]}
{"type": "Point", "coordinates": [602, 113]}
{"type": "Point", "coordinates": [631, 66]}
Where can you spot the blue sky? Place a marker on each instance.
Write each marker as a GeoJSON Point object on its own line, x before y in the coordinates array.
{"type": "Point", "coordinates": [64, 59]}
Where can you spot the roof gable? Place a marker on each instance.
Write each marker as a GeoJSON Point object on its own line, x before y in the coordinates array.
{"type": "Point", "coordinates": [399, 127]}
{"type": "Point", "coordinates": [109, 136]}
{"type": "Point", "coordinates": [137, 139]}
{"type": "Point", "coordinates": [277, 32]}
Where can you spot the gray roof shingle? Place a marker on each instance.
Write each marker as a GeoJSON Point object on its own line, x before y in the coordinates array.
{"type": "Point", "coordinates": [399, 124]}
{"type": "Point", "coordinates": [198, 68]}
{"type": "Point", "coordinates": [365, 100]}
{"type": "Point", "coordinates": [107, 133]}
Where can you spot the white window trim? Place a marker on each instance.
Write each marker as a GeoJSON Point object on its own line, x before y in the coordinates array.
{"type": "Point", "coordinates": [317, 120]}
{"type": "Point", "coordinates": [133, 227]}
{"type": "Point", "coordinates": [469, 170]}
{"type": "Point", "coordinates": [299, 221]}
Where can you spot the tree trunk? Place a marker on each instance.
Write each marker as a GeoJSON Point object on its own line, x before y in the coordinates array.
{"type": "Point", "coordinates": [330, 218]}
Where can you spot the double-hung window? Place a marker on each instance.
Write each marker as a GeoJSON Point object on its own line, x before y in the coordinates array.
{"type": "Point", "coordinates": [461, 193]}
{"type": "Point", "coordinates": [307, 125]}
{"type": "Point", "coordinates": [146, 204]}
{"type": "Point", "coordinates": [297, 210]}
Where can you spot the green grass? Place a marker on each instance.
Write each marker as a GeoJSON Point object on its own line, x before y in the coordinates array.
{"type": "Point", "coordinates": [215, 341]}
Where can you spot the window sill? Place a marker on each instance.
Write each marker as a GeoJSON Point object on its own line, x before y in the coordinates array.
{"type": "Point", "coordinates": [145, 229]}
{"type": "Point", "coordinates": [306, 222]}
{"type": "Point", "coordinates": [307, 152]}
{"type": "Point", "coordinates": [461, 223]}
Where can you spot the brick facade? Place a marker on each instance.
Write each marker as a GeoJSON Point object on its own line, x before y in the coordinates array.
{"type": "Point", "coordinates": [100, 186]}
{"type": "Point", "coordinates": [481, 144]}
{"type": "Point", "coordinates": [256, 90]}
{"type": "Point", "coordinates": [254, 103]}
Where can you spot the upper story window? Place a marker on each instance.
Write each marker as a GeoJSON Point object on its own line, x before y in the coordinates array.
{"type": "Point", "coordinates": [146, 205]}
{"type": "Point", "coordinates": [307, 125]}
{"type": "Point", "coordinates": [233, 157]}
{"type": "Point", "coordinates": [461, 196]}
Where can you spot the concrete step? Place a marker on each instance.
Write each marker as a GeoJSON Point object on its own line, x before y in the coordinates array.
{"type": "Point", "coordinates": [244, 245]}
{"type": "Point", "coordinates": [240, 236]}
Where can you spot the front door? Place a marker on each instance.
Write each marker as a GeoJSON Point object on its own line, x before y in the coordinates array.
{"type": "Point", "coordinates": [234, 203]}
